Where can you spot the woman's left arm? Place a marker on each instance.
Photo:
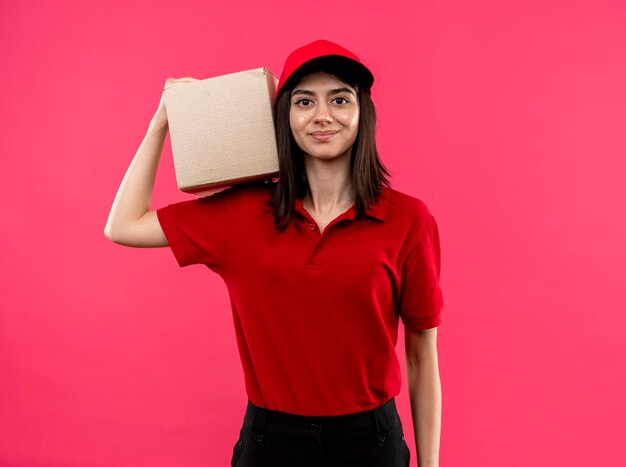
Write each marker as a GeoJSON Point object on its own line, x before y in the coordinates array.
{"type": "Point", "coordinates": [424, 393]}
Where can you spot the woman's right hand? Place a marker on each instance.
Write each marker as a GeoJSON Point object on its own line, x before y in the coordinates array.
{"type": "Point", "coordinates": [160, 117]}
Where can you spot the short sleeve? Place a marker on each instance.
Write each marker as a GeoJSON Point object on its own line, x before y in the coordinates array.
{"type": "Point", "coordinates": [421, 299]}
{"type": "Point", "coordinates": [198, 230]}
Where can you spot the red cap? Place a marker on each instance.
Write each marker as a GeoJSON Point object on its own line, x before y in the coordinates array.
{"type": "Point", "coordinates": [308, 56]}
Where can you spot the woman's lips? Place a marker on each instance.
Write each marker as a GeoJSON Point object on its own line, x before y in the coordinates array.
{"type": "Point", "coordinates": [323, 135]}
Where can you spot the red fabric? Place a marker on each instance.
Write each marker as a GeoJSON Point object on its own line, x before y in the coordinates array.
{"type": "Point", "coordinates": [314, 313]}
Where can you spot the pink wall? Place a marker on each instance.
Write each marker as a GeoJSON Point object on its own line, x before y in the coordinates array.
{"type": "Point", "coordinates": [506, 118]}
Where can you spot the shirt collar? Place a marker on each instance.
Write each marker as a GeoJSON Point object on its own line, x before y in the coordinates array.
{"type": "Point", "coordinates": [376, 210]}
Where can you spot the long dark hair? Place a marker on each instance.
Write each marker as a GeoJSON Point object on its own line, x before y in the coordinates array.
{"type": "Point", "coordinates": [368, 174]}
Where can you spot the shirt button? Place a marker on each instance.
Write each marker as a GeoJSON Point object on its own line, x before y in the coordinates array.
{"type": "Point", "coordinates": [312, 226]}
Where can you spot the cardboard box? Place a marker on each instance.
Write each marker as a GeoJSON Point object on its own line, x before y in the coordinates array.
{"type": "Point", "coordinates": [222, 130]}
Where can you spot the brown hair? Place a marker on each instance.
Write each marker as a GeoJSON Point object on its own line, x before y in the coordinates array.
{"type": "Point", "coordinates": [368, 173]}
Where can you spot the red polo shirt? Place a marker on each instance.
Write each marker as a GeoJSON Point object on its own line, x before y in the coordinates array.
{"type": "Point", "coordinates": [314, 314]}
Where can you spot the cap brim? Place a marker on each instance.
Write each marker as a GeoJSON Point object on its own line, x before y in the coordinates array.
{"type": "Point", "coordinates": [336, 64]}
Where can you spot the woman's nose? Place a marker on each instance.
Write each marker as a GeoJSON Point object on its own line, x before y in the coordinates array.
{"type": "Point", "coordinates": [322, 114]}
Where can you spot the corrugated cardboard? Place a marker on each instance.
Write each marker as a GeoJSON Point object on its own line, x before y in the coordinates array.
{"type": "Point", "coordinates": [222, 130]}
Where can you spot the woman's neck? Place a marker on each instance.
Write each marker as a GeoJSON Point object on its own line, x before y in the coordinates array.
{"type": "Point", "coordinates": [330, 185]}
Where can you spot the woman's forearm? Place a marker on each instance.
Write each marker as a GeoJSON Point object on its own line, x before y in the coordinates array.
{"type": "Point", "coordinates": [425, 398]}
{"type": "Point", "coordinates": [135, 192]}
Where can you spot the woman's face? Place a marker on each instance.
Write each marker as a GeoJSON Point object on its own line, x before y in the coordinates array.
{"type": "Point", "coordinates": [324, 116]}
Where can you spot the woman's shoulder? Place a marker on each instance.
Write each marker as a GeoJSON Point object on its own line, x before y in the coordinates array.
{"type": "Point", "coordinates": [249, 191]}
{"type": "Point", "coordinates": [410, 214]}
{"type": "Point", "coordinates": [402, 204]}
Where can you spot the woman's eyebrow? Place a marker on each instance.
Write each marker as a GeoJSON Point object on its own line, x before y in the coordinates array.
{"type": "Point", "coordinates": [302, 91]}
{"type": "Point", "coordinates": [338, 90]}
{"type": "Point", "coordinates": [311, 93]}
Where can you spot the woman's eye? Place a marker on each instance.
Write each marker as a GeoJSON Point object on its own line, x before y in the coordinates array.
{"type": "Point", "coordinates": [303, 102]}
{"type": "Point", "coordinates": [342, 100]}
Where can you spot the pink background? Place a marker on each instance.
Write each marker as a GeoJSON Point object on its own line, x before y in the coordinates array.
{"type": "Point", "coordinates": [506, 118]}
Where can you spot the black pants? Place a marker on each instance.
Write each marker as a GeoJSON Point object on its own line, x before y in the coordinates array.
{"type": "Point", "coordinates": [372, 438]}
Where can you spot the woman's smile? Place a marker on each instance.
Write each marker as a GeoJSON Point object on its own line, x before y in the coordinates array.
{"type": "Point", "coordinates": [324, 135]}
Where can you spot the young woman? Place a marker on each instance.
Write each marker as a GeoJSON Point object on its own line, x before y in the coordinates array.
{"type": "Point", "coordinates": [320, 267]}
